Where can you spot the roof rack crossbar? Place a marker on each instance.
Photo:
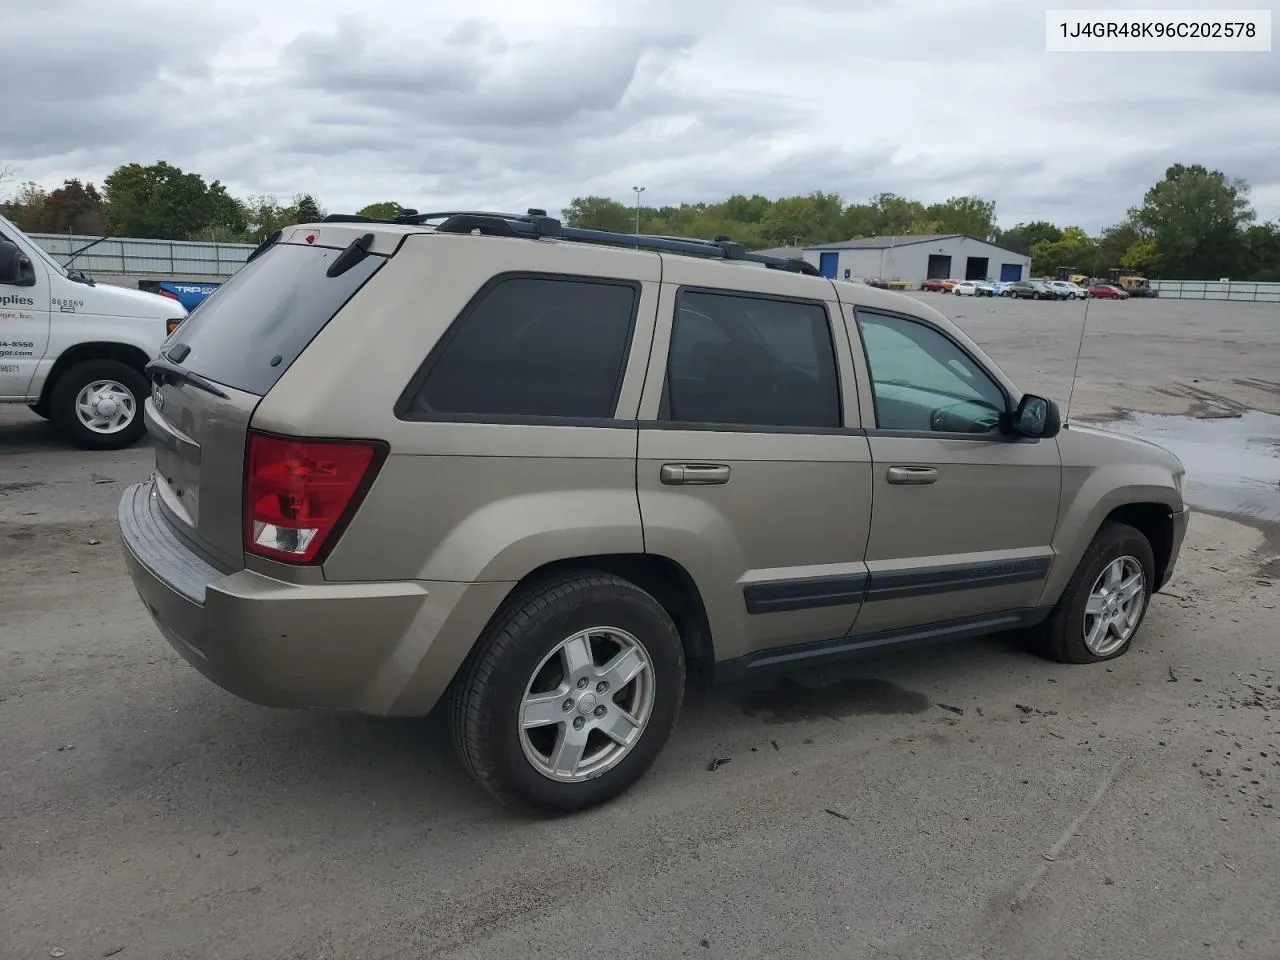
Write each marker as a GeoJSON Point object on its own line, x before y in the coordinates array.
{"type": "Point", "coordinates": [536, 224]}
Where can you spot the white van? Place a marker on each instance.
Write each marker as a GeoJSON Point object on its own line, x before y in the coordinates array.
{"type": "Point", "coordinates": [74, 350]}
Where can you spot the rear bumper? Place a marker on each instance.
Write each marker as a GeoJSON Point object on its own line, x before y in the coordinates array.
{"type": "Point", "coordinates": [1179, 533]}
{"type": "Point", "coordinates": [377, 648]}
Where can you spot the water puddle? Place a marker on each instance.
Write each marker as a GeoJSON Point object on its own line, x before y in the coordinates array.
{"type": "Point", "coordinates": [792, 698]}
{"type": "Point", "coordinates": [1233, 463]}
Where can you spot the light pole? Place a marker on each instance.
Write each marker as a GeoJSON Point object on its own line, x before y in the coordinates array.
{"type": "Point", "coordinates": [638, 190]}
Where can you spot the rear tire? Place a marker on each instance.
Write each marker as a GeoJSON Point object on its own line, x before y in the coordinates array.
{"type": "Point", "coordinates": [530, 656]}
{"type": "Point", "coordinates": [115, 389]}
{"type": "Point", "coordinates": [1066, 635]}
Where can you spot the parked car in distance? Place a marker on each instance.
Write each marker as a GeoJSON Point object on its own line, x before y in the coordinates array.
{"type": "Point", "coordinates": [511, 514]}
{"type": "Point", "coordinates": [936, 285]}
{"type": "Point", "coordinates": [1069, 290]}
{"type": "Point", "coordinates": [973, 288]}
{"type": "Point", "coordinates": [1029, 290]}
{"type": "Point", "coordinates": [1052, 292]}
{"type": "Point", "coordinates": [1105, 291]}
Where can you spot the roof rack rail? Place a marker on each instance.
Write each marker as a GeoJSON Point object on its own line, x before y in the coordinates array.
{"type": "Point", "coordinates": [535, 224]}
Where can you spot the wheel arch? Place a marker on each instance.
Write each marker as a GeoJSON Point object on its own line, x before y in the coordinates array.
{"type": "Point", "coordinates": [125, 353]}
{"type": "Point", "coordinates": [666, 580]}
{"type": "Point", "coordinates": [1155, 522]}
{"type": "Point", "coordinates": [1147, 506]}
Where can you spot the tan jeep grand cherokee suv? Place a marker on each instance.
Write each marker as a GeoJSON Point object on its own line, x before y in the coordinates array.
{"type": "Point", "coordinates": [552, 475]}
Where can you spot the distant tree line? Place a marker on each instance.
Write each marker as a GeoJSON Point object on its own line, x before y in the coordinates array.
{"type": "Point", "coordinates": [1195, 223]}
{"type": "Point", "coordinates": [159, 202]}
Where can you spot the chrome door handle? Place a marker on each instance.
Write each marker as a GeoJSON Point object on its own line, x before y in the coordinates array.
{"type": "Point", "coordinates": [913, 475]}
{"type": "Point", "coordinates": [674, 474]}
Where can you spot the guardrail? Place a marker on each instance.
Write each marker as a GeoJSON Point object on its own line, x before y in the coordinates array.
{"type": "Point", "coordinates": [129, 257]}
{"type": "Point", "coordinates": [1244, 291]}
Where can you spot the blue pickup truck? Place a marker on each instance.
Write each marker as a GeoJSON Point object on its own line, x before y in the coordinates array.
{"type": "Point", "coordinates": [186, 292]}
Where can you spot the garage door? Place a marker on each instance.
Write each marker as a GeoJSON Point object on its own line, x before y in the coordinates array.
{"type": "Point", "coordinates": [1009, 272]}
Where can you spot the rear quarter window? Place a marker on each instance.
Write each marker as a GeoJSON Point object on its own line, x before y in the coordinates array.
{"type": "Point", "coordinates": [530, 347]}
{"type": "Point", "coordinates": [253, 327]}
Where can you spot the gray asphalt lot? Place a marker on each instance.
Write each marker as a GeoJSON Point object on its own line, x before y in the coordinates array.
{"type": "Point", "coordinates": [963, 801]}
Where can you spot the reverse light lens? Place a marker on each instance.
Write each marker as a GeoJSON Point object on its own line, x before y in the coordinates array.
{"type": "Point", "coordinates": [298, 492]}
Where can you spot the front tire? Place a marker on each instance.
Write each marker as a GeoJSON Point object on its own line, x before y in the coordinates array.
{"type": "Point", "coordinates": [98, 404]}
{"type": "Point", "coordinates": [1104, 603]}
{"type": "Point", "coordinates": [570, 694]}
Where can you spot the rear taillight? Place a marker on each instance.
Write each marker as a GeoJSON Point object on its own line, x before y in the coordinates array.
{"type": "Point", "coordinates": [299, 494]}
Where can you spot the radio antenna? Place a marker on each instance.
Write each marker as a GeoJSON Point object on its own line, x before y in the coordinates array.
{"type": "Point", "coordinates": [1084, 325]}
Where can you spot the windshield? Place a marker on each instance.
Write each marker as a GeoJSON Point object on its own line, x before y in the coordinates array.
{"type": "Point", "coordinates": [9, 231]}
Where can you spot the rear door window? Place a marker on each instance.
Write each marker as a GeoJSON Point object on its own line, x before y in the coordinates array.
{"type": "Point", "coordinates": [751, 361]}
{"type": "Point", "coordinates": [253, 327]}
{"type": "Point", "coordinates": [531, 346]}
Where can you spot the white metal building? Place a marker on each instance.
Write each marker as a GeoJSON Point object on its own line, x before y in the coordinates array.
{"type": "Point", "coordinates": [915, 259]}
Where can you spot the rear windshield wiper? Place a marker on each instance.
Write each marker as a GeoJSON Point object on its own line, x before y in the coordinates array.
{"type": "Point", "coordinates": [161, 368]}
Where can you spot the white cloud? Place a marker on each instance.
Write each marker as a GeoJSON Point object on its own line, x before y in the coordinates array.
{"type": "Point", "coordinates": [508, 105]}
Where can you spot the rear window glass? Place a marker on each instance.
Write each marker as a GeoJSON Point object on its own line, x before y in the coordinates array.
{"type": "Point", "coordinates": [271, 307]}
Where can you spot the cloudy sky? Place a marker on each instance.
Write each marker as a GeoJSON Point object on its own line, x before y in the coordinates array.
{"type": "Point", "coordinates": [508, 104]}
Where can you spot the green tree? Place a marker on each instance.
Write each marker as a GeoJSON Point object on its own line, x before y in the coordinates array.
{"type": "Point", "coordinates": [384, 210]}
{"type": "Point", "coordinates": [971, 216]}
{"type": "Point", "coordinates": [226, 214]}
{"type": "Point", "coordinates": [1073, 249]}
{"type": "Point", "coordinates": [163, 202]}
{"type": "Point", "coordinates": [1197, 218]}
{"type": "Point", "coordinates": [753, 209]}
{"type": "Point", "coordinates": [816, 218]}
{"type": "Point", "coordinates": [1022, 237]}
{"type": "Point", "coordinates": [1262, 252]}
{"type": "Point", "coordinates": [600, 213]}
{"type": "Point", "coordinates": [306, 209]}
{"type": "Point", "coordinates": [1142, 257]}
{"type": "Point", "coordinates": [887, 215]}
{"type": "Point", "coordinates": [1113, 243]}
{"type": "Point", "coordinates": [26, 208]}
{"type": "Point", "coordinates": [264, 215]}
{"type": "Point", "coordinates": [74, 207]}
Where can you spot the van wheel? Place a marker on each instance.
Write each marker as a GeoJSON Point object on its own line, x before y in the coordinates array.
{"type": "Point", "coordinates": [98, 404]}
{"type": "Point", "coordinates": [1105, 601]}
{"type": "Point", "coordinates": [570, 694]}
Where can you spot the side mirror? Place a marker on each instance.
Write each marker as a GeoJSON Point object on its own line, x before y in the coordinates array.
{"type": "Point", "coordinates": [15, 267]}
{"type": "Point", "coordinates": [1036, 417]}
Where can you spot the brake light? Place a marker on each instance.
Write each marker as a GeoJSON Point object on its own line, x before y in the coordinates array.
{"type": "Point", "coordinates": [299, 494]}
